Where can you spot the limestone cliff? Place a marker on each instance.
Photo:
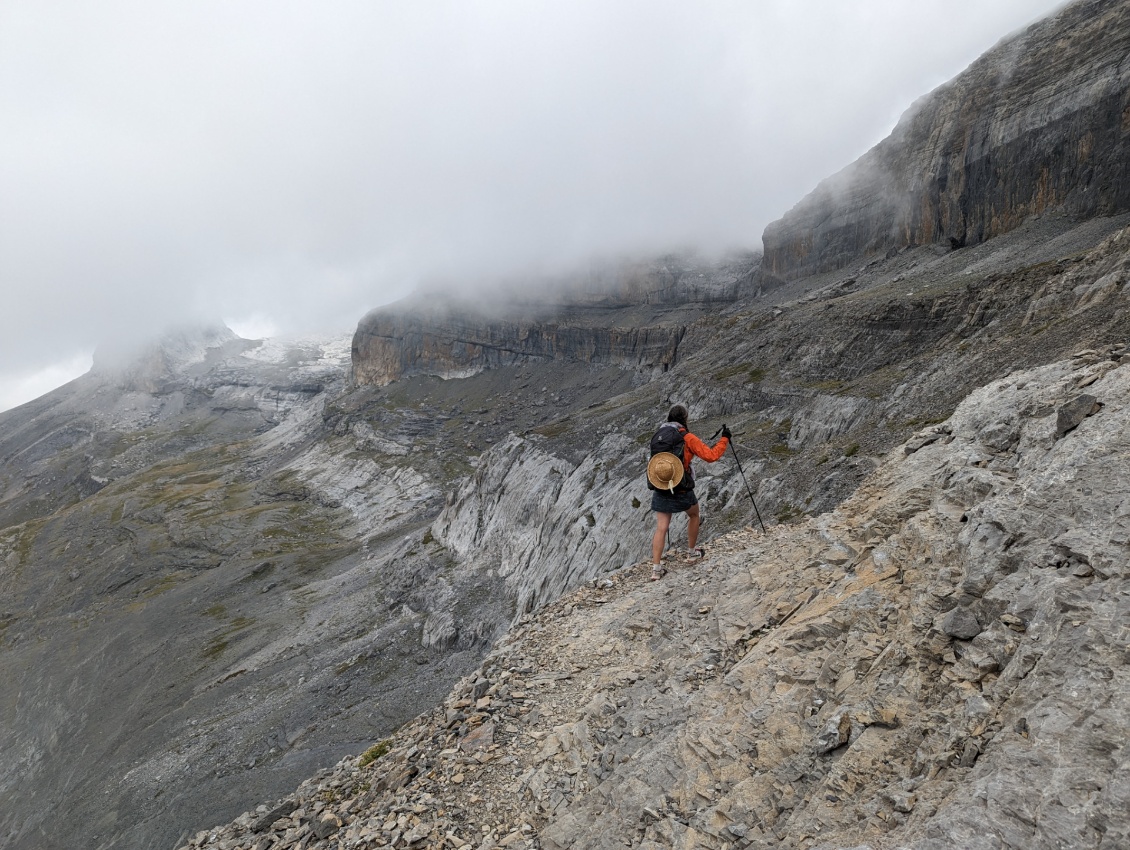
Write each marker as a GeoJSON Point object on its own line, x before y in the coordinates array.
{"type": "Point", "coordinates": [1040, 123]}
{"type": "Point", "coordinates": [456, 343]}
{"type": "Point", "coordinates": [629, 314]}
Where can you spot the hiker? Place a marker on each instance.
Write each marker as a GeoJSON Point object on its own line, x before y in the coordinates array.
{"type": "Point", "coordinates": [670, 475]}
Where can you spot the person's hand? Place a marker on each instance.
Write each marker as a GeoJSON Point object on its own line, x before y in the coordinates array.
{"type": "Point", "coordinates": [726, 432]}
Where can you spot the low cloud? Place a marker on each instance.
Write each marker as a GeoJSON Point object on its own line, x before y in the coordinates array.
{"type": "Point", "coordinates": [296, 165]}
{"type": "Point", "coordinates": [17, 388]}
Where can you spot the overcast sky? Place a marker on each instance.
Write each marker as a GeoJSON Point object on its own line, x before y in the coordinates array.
{"type": "Point", "coordinates": [287, 166]}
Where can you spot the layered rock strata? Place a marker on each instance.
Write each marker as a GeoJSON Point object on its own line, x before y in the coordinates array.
{"type": "Point", "coordinates": [389, 345]}
{"type": "Point", "coordinates": [628, 314]}
{"type": "Point", "coordinates": [1040, 123]}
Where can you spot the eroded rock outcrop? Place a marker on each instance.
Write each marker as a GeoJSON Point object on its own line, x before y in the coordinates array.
{"type": "Point", "coordinates": [1040, 123]}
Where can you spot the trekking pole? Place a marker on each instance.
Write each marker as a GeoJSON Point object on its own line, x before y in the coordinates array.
{"type": "Point", "coordinates": [742, 471]}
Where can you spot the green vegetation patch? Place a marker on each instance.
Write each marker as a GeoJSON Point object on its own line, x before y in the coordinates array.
{"type": "Point", "coordinates": [788, 512]}
{"type": "Point", "coordinates": [215, 648]}
{"type": "Point", "coordinates": [828, 385]}
{"type": "Point", "coordinates": [555, 429]}
{"type": "Point", "coordinates": [752, 374]}
{"type": "Point", "coordinates": [165, 584]}
{"type": "Point", "coordinates": [374, 752]}
{"type": "Point", "coordinates": [220, 642]}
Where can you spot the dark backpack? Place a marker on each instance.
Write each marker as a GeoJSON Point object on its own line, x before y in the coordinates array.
{"type": "Point", "coordinates": [669, 438]}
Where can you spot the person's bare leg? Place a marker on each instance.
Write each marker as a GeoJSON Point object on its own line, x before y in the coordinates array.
{"type": "Point", "coordinates": [693, 519]}
{"type": "Point", "coordinates": [662, 523]}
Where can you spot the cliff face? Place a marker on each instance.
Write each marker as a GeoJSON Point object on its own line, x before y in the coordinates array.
{"type": "Point", "coordinates": [630, 315]}
{"type": "Point", "coordinates": [389, 345]}
{"type": "Point", "coordinates": [1040, 123]}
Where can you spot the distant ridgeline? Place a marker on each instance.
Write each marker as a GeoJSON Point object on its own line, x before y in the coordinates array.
{"type": "Point", "coordinates": [631, 315]}
{"type": "Point", "coordinates": [1041, 123]}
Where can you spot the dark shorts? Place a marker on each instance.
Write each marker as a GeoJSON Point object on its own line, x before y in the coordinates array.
{"type": "Point", "coordinates": [672, 503]}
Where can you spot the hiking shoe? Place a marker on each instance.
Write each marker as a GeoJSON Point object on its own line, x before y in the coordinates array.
{"type": "Point", "coordinates": [696, 554]}
{"type": "Point", "coordinates": [657, 572]}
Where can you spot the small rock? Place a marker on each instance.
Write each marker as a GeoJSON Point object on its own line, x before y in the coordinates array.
{"type": "Point", "coordinates": [960, 623]}
{"type": "Point", "coordinates": [836, 732]}
{"type": "Point", "coordinates": [1014, 622]}
{"type": "Point", "coordinates": [273, 815]}
{"type": "Point", "coordinates": [479, 738]}
{"type": "Point", "coordinates": [416, 834]}
{"type": "Point", "coordinates": [326, 825]}
{"type": "Point", "coordinates": [905, 803]}
{"type": "Point", "coordinates": [1070, 415]}
{"type": "Point", "coordinates": [969, 754]}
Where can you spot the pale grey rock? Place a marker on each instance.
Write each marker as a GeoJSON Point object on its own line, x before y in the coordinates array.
{"type": "Point", "coordinates": [836, 732]}
{"type": "Point", "coordinates": [825, 418]}
{"type": "Point", "coordinates": [439, 630]}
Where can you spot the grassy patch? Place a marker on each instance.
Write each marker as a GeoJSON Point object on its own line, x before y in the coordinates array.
{"type": "Point", "coordinates": [373, 753]}
{"type": "Point", "coordinates": [924, 422]}
{"type": "Point", "coordinates": [220, 642]}
{"type": "Point", "coordinates": [554, 429]}
{"type": "Point", "coordinates": [164, 584]}
{"type": "Point", "coordinates": [215, 648]}
{"type": "Point", "coordinates": [829, 385]}
{"type": "Point", "coordinates": [852, 450]}
{"type": "Point", "coordinates": [787, 512]}
{"type": "Point", "coordinates": [751, 374]}
{"type": "Point", "coordinates": [730, 371]}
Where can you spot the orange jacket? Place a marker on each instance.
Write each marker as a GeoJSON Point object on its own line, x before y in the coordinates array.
{"type": "Point", "coordinates": [699, 449]}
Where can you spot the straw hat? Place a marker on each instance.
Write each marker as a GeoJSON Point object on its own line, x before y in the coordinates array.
{"type": "Point", "coordinates": [665, 471]}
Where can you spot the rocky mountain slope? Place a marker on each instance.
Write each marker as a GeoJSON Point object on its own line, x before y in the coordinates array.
{"type": "Point", "coordinates": [1040, 123]}
{"type": "Point", "coordinates": [202, 586]}
{"type": "Point", "coordinates": [942, 661]}
{"type": "Point", "coordinates": [228, 564]}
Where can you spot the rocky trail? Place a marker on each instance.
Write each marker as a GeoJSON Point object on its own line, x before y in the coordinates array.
{"type": "Point", "coordinates": [890, 674]}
